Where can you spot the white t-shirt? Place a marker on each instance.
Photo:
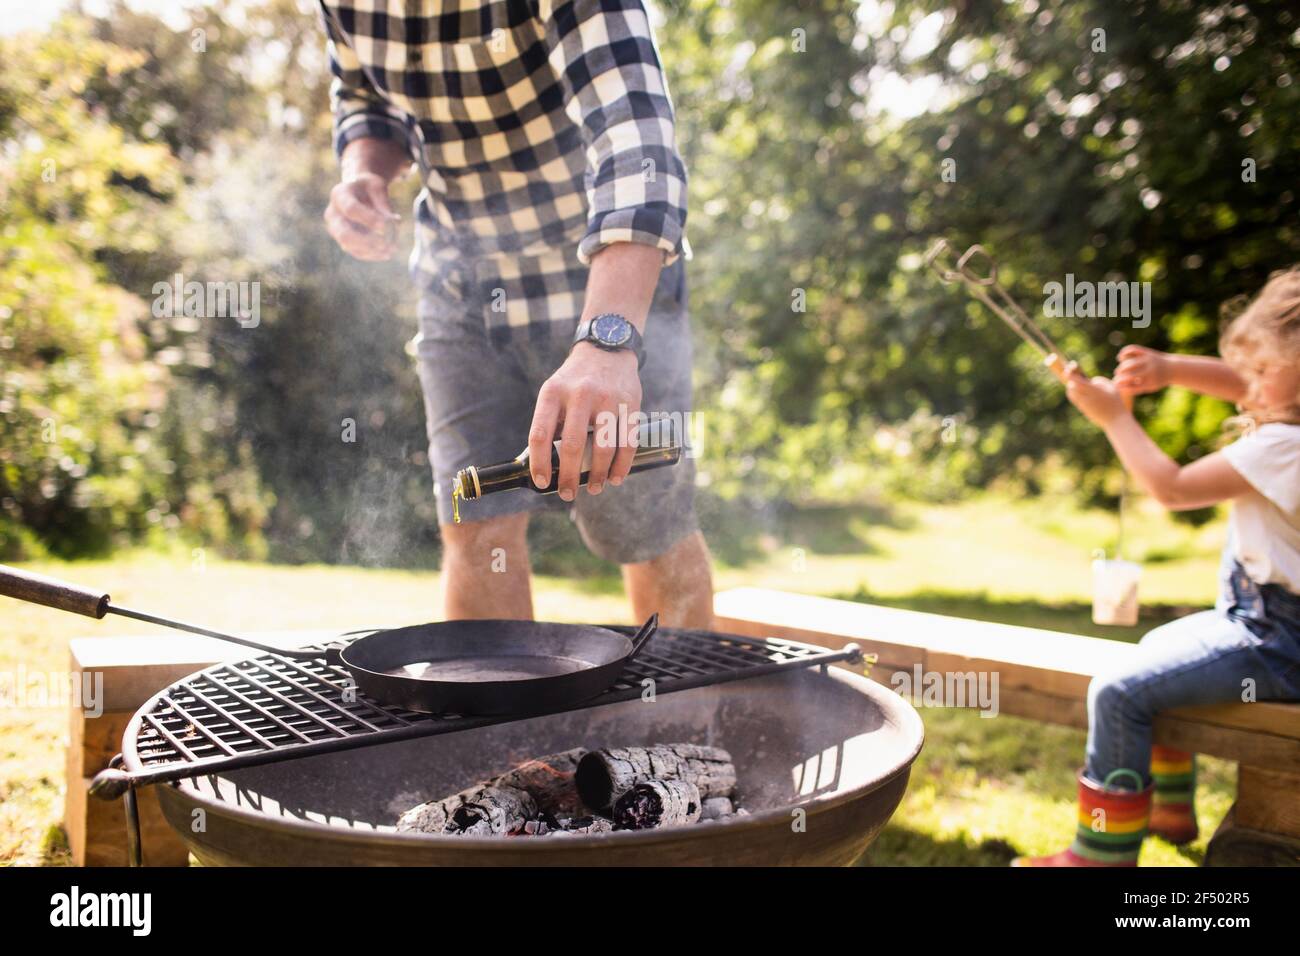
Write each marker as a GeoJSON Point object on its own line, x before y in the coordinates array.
{"type": "Point", "coordinates": [1264, 528]}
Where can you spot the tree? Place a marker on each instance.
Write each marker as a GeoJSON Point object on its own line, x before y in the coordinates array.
{"type": "Point", "coordinates": [1119, 159]}
{"type": "Point", "coordinates": [89, 450]}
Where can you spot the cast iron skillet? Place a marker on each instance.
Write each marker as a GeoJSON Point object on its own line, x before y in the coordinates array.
{"type": "Point", "coordinates": [458, 667]}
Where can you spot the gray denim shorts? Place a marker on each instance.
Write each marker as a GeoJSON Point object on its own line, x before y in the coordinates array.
{"type": "Point", "coordinates": [479, 399]}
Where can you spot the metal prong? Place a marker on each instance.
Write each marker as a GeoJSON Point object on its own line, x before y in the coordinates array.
{"type": "Point", "coordinates": [969, 274]}
{"type": "Point", "coordinates": [932, 261]}
{"type": "Point", "coordinates": [985, 289]}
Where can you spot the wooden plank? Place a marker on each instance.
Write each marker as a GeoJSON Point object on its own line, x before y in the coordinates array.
{"type": "Point", "coordinates": [1042, 668]}
{"type": "Point", "coordinates": [760, 608]}
{"type": "Point", "coordinates": [1172, 730]}
{"type": "Point", "coordinates": [96, 739]}
{"type": "Point", "coordinates": [825, 633]}
{"type": "Point", "coordinates": [1014, 701]}
{"type": "Point", "coordinates": [1046, 708]}
{"type": "Point", "coordinates": [1246, 746]}
{"type": "Point", "coordinates": [1268, 799]}
{"type": "Point", "coordinates": [1237, 845]}
{"type": "Point", "coordinates": [1273, 717]}
{"type": "Point", "coordinates": [1011, 676]}
{"type": "Point", "coordinates": [97, 828]}
{"type": "Point", "coordinates": [134, 668]}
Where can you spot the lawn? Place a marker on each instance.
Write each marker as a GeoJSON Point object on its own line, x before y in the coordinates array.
{"type": "Point", "coordinates": [982, 789]}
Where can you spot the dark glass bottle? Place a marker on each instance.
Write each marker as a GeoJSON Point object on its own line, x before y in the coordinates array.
{"type": "Point", "coordinates": [479, 480]}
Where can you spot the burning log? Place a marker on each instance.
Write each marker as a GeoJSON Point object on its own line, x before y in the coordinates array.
{"type": "Point", "coordinates": [554, 796]}
{"type": "Point", "coordinates": [428, 817]}
{"type": "Point", "coordinates": [492, 811]}
{"type": "Point", "coordinates": [658, 803]}
{"type": "Point", "coordinates": [482, 810]}
{"type": "Point", "coordinates": [549, 781]}
{"type": "Point", "coordinates": [605, 775]}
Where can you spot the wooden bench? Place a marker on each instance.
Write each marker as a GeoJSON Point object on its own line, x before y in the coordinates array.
{"type": "Point", "coordinates": [133, 670]}
{"type": "Point", "coordinates": [1044, 675]}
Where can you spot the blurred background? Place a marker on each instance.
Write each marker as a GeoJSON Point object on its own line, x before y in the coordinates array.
{"type": "Point", "coordinates": [867, 431]}
{"type": "Point", "coordinates": [156, 138]}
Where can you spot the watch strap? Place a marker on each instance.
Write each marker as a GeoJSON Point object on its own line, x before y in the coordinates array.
{"type": "Point", "coordinates": [634, 344]}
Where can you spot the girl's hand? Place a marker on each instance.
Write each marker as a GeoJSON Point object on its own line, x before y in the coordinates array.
{"type": "Point", "coordinates": [1142, 370]}
{"type": "Point", "coordinates": [1098, 398]}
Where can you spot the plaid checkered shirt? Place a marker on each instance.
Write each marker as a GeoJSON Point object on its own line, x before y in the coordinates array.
{"type": "Point", "coordinates": [543, 131]}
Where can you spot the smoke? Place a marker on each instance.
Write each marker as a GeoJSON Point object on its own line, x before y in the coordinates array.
{"type": "Point", "coordinates": [326, 394]}
{"type": "Point", "coordinates": [373, 521]}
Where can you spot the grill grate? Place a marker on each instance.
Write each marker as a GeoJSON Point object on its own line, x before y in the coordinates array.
{"type": "Point", "coordinates": [273, 708]}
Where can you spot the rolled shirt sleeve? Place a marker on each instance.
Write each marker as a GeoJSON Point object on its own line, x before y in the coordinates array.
{"type": "Point", "coordinates": [359, 111]}
{"type": "Point", "coordinates": [615, 93]}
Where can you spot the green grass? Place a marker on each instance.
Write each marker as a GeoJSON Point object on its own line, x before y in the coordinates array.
{"type": "Point", "coordinates": [989, 548]}
{"type": "Point", "coordinates": [982, 790]}
{"type": "Point", "coordinates": [986, 790]}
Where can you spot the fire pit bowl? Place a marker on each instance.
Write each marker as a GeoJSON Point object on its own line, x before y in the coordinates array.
{"type": "Point", "coordinates": [822, 756]}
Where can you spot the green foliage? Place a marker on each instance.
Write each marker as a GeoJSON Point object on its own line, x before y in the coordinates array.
{"type": "Point", "coordinates": [1122, 164]}
{"type": "Point", "coordinates": [97, 446]}
{"type": "Point", "coordinates": [831, 367]}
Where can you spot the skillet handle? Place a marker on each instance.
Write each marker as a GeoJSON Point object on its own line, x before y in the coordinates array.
{"type": "Point", "coordinates": [64, 596]}
{"type": "Point", "coordinates": [643, 636]}
{"type": "Point", "coordinates": [39, 589]}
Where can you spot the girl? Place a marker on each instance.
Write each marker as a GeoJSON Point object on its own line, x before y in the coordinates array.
{"type": "Point", "coordinates": [1248, 647]}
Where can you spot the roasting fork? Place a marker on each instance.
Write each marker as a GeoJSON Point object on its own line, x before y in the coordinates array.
{"type": "Point", "coordinates": [983, 285]}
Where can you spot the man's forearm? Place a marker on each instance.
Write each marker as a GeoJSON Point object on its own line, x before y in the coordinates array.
{"type": "Point", "coordinates": [384, 157]}
{"type": "Point", "coordinates": [1209, 376]}
{"type": "Point", "coordinates": [593, 382]}
{"type": "Point", "coordinates": [622, 279]}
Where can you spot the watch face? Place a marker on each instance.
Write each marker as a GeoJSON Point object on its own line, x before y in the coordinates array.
{"type": "Point", "coordinates": [611, 329]}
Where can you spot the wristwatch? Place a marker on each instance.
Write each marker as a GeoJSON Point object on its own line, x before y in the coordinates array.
{"type": "Point", "coordinates": [611, 332]}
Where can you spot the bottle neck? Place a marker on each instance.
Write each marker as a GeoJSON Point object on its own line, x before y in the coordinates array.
{"type": "Point", "coordinates": [479, 480]}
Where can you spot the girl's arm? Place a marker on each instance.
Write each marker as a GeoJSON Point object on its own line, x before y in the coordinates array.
{"type": "Point", "coordinates": [1198, 485]}
{"type": "Point", "coordinates": [1204, 482]}
{"type": "Point", "coordinates": [1143, 370]}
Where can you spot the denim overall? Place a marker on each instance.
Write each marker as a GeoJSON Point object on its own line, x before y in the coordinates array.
{"type": "Point", "coordinates": [1246, 649]}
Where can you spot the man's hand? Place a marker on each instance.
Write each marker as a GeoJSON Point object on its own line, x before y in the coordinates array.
{"type": "Point", "coordinates": [360, 215]}
{"type": "Point", "coordinates": [1098, 398]}
{"type": "Point", "coordinates": [1142, 370]}
{"type": "Point", "coordinates": [593, 387]}
{"type": "Point", "coordinates": [596, 387]}
{"type": "Point", "coordinates": [361, 219]}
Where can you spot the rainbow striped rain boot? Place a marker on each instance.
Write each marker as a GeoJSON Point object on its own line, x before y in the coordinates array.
{"type": "Point", "coordinates": [1110, 828]}
{"type": "Point", "coordinates": [1173, 812]}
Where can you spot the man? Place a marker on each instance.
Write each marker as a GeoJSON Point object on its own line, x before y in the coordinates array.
{"type": "Point", "coordinates": [553, 195]}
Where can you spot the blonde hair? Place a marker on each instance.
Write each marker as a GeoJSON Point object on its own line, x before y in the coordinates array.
{"type": "Point", "coordinates": [1269, 324]}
